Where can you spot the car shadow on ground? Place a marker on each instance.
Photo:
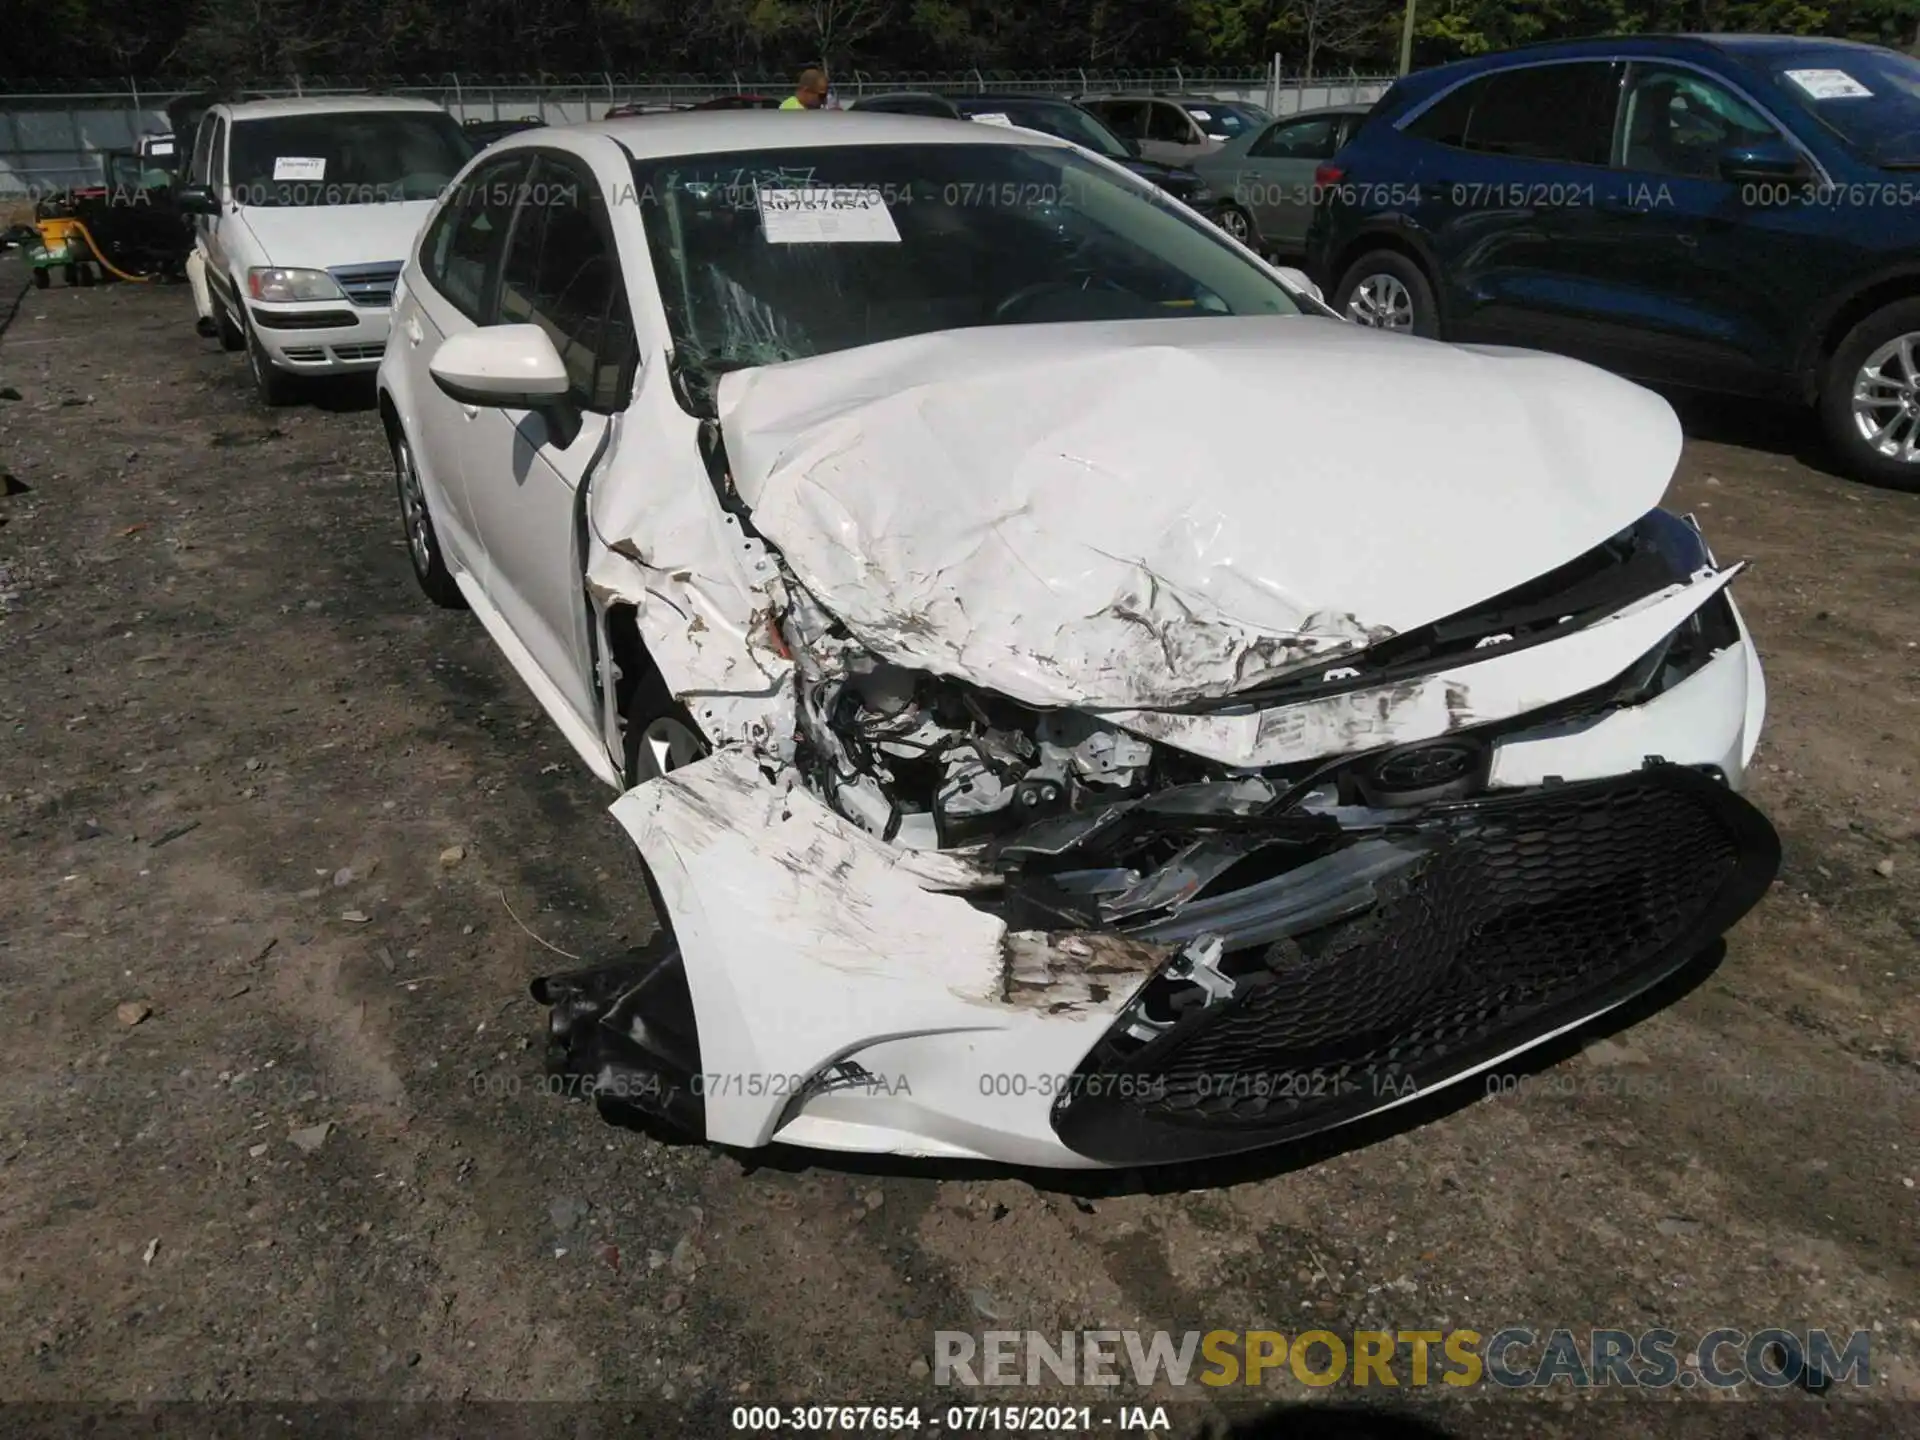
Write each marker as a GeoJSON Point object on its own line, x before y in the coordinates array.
{"type": "Point", "coordinates": [341, 394]}
{"type": "Point", "coordinates": [1251, 1168]}
{"type": "Point", "coordinates": [1332, 1422]}
{"type": "Point", "coordinates": [1787, 430]}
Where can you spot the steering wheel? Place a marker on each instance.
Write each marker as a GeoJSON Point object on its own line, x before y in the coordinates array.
{"type": "Point", "coordinates": [1027, 294]}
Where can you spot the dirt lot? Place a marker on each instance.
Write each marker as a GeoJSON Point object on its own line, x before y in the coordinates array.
{"type": "Point", "coordinates": [272, 1127]}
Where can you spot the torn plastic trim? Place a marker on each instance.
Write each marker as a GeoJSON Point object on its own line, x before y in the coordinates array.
{"type": "Point", "coordinates": [1496, 687]}
{"type": "Point", "coordinates": [1316, 893]}
{"type": "Point", "coordinates": [807, 941]}
{"type": "Point", "coordinates": [1657, 552]}
{"type": "Point", "coordinates": [701, 585]}
{"type": "Point", "coordinates": [624, 1035]}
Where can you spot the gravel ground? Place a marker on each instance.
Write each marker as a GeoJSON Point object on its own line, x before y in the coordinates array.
{"type": "Point", "coordinates": [273, 1126]}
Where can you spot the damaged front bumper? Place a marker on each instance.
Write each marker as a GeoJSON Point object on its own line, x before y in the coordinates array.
{"type": "Point", "coordinates": [1211, 969]}
{"type": "Point", "coordinates": [939, 923]}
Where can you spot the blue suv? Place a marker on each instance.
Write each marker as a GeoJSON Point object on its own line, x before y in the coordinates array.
{"type": "Point", "coordinates": [1737, 213]}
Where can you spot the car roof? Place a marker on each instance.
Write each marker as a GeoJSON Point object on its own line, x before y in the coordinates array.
{"type": "Point", "coordinates": [1782, 42]}
{"type": "Point", "coordinates": [1356, 107]}
{"type": "Point", "coordinates": [329, 105]}
{"type": "Point", "coordinates": [1651, 45]}
{"type": "Point", "coordinates": [713, 132]}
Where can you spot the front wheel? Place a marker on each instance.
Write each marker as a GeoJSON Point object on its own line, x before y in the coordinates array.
{"type": "Point", "coordinates": [661, 735]}
{"type": "Point", "coordinates": [1386, 291]}
{"type": "Point", "coordinates": [274, 386]}
{"type": "Point", "coordinates": [1870, 398]}
{"type": "Point", "coordinates": [423, 541]}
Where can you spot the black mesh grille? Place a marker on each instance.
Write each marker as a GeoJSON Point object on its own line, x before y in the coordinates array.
{"type": "Point", "coordinates": [1530, 913]}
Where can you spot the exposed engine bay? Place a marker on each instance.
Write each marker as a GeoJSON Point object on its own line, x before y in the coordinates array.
{"type": "Point", "coordinates": [925, 762]}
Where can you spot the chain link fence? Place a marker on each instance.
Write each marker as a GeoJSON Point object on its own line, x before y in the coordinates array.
{"type": "Point", "coordinates": [54, 135]}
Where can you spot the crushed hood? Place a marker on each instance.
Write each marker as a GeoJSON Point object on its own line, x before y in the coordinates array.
{"type": "Point", "coordinates": [1139, 513]}
{"type": "Point", "coordinates": [321, 237]}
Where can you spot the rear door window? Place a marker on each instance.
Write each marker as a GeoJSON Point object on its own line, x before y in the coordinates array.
{"type": "Point", "coordinates": [1170, 125]}
{"type": "Point", "coordinates": [1445, 121]}
{"type": "Point", "coordinates": [1298, 140]}
{"type": "Point", "coordinates": [1129, 117]}
{"type": "Point", "coordinates": [1548, 112]}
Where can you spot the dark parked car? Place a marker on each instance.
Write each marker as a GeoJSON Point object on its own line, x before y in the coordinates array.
{"type": "Point", "coordinates": [908, 102]}
{"type": "Point", "coordinates": [646, 107]}
{"type": "Point", "coordinates": [1175, 129]}
{"type": "Point", "coordinates": [491, 132]}
{"type": "Point", "coordinates": [1265, 177]}
{"type": "Point", "coordinates": [1738, 213]}
{"type": "Point", "coordinates": [738, 102]}
{"type": "Point", "coordinates": [1050, 115]}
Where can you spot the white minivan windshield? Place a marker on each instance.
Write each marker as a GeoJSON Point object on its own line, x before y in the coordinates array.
{"type": "Point", "coordinates": [360, 157]}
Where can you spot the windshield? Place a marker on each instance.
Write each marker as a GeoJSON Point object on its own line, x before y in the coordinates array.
{"type": "Point", "coordinates": [1068, 122]}
{"type": "Point", "coordinates": [775, 255]}
{"type": "Point", "coordinates": [1221, 122]}
{"type": "Point", "coordinates": [1869, 98]}
{"type": "Point", "coordinates": [347, 157]}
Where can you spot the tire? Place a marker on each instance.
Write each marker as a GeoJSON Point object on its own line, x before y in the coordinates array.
{"type": "Point", "coordinates": [42, 279]}
{"type": "Point", "coordinates": [232, 337]}
{"type": "Point", "coordinates": [661, 736]}
{"type": "Point", "coordinates": [416, 526]}
{"type": "Point", "coordinates": [70, 274]}
{"type": "Point", "coordinates": [1239, 224]}
{"type": "Point", "coordinates": [1387, 291]}
{"type": "Point", "coordinates": [1879, 360]}
{"type": "Point", "coordinates": [274, 386]}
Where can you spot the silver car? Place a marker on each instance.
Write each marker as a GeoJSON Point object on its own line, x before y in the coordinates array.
{"type": "Point", "coordinates": [1265, 175]}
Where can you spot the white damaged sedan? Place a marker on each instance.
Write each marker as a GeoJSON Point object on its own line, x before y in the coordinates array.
{"type": "Point", "coordinates": [1078, 702]}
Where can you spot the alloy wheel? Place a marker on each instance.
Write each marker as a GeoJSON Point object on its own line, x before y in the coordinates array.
{"type": "Point", "coordinates": [413, 507]}
{"type": "Point", "coordinates": [666, 745]}
{"type": "Point", "coordinates": [1886, 400]}
{"type": "Point", "coordinates": [1382, 302]}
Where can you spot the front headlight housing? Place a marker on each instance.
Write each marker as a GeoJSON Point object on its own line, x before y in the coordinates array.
{"type": "Point", "coordinates": [1202, 194]}
{"type": "Point", "coordinates": [276, 285]}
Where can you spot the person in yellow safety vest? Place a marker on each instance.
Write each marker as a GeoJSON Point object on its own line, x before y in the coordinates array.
{"type": "Point", "coordinates": [811, 91]}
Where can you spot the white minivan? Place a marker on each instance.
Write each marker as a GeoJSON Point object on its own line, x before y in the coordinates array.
{"type": "Point", "coordinates": [304, 212]}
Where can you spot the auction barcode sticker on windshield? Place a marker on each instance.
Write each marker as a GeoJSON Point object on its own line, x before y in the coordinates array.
{"type": "Point", "coordinates": [1829, 84]}
{"type": "Point", "coordinates": [300, 167]}
{"type": "Point", "coordinates": [825, 215]}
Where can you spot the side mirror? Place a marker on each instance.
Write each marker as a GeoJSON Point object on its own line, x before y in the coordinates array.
{"type": "Point", "coordinates": [507, 367]}
{"type": "Point", "coordinates": [1300, 280]}
{"type": "Point", "coordinates": [1768, 160]}
{"type": "Point", "coordinates": [197, 200]}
